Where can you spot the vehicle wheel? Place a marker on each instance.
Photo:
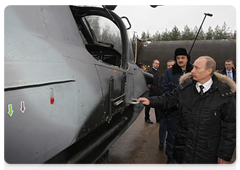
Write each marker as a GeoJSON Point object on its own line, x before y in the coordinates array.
{"type": "Point", "coordinates": [102, 160]}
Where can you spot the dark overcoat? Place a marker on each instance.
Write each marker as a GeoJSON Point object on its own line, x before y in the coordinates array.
{"type": "Point", "coordinates": [207, 123]}
{"type": "Point", "coordinates": [155, 89]}
{"type": "Point", "coordinates": [171, 77]}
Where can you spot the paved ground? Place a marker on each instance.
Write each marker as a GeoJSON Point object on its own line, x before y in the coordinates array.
{"type": "Point", "coordinates": [139, 144]}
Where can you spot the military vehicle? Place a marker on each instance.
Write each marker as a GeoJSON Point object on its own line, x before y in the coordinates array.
{"type": "Point", "coordinates": [70, 83]}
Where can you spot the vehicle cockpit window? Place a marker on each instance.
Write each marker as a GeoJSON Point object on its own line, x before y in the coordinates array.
{"type": "Point", "coordinates": [102, 39]}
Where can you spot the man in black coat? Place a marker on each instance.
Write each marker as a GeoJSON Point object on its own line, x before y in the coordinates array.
{"type": "Point", "coordinates": [155, 90]}
{"type": "Point", "coordinates": [207, 124]}
{"type": "Point", "coordinates": [229, 70]}
{"type": "Point", "coordinates": [171, 116]}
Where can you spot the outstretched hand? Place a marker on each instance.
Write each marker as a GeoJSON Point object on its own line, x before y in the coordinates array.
{"type": "Point", "coordinates": [144, 100]}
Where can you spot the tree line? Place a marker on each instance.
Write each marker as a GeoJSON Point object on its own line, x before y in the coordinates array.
{"type": "Point", "coordinates": [187, 34]}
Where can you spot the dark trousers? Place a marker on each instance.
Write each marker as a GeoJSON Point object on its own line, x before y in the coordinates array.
{"type": "Point", "coordinates": [169, 123]}
{"type": "Point", "coordinates": [162, 127]}
{"type": "Point", "coordinates": [157, 113]}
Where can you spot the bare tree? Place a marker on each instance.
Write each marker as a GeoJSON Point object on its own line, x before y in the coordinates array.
{"type": "Point", "coordinates": [221, 33]}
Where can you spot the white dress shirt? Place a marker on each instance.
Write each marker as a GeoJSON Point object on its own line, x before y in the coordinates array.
{"type": "Point", "coordinates": [206, 85]}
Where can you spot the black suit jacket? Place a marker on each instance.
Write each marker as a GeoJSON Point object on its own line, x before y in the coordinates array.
{"type": "Point", "coordinates": [233, 70]}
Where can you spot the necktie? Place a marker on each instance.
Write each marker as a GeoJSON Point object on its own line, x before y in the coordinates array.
{"type": "Point", "coordinates": [201, 89]}
{"type": "Point", "coordinates": [229, 75]}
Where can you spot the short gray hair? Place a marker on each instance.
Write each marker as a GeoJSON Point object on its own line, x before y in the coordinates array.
{"type": "Point", "coordinates": [211, 63]}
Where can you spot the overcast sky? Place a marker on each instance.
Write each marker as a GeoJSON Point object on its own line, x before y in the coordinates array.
{"type": "Point", "coordinates": [146, 18]}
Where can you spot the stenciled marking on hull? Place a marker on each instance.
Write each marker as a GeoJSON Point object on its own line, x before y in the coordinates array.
{"type": "Point", "coordinates": [23, 108]}
{"type": "Point", "coordinates": [10, 110]}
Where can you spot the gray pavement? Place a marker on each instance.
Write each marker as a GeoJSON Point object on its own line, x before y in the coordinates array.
{"type": "Point", "coordinates": [139, 144]}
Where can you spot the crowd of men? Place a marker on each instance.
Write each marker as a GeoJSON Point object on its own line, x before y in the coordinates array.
{"type": "Point", "coordinates": [196, 106]}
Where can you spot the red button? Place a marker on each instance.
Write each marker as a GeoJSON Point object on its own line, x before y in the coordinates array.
{"type": "Point", "coordinates": [52, 100]}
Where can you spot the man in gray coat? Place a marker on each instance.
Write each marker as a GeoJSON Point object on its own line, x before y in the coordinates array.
{"type": "Point", "coordinates": [207, 124]}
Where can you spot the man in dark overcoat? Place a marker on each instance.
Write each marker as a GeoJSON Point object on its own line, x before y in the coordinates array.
{"type": "Point", "coordinates": [170, 81]}
{"type": "Point", "coordinates": [207, 106]}
{"type": "Point", "coordinates": [155, 90]}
